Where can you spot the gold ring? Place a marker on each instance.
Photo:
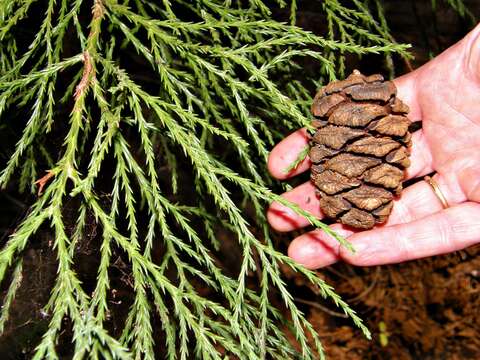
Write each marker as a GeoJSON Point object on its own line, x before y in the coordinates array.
{"type": "Point", "coordinates": [437, 191]}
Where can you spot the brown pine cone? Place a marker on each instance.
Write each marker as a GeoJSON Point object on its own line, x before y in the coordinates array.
{"type": "Point", "coordinates": [360, 149]}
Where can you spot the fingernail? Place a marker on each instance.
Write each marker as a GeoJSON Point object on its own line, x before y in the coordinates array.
{"type": "Point", "coordinates": [312, 254]}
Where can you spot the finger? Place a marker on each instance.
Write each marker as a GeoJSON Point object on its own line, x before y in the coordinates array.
{"type": "Point", "coordinates": [282, 218]}
{"type": "Point", "coordinates": [286, 152]}
{"type": "Point", "coordinates": [317, 249]}
{"type": "Point", "coordinates": [473, 53]}
{"type": "Point", "coordinates": [452, 229]}
{"type": "Point", "coordinates": [449, 230]}
{"type": "Point", "coordinates": [415, 201]}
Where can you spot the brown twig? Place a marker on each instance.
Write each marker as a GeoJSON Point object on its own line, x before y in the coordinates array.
{"type": "Point", "coordinates": [336, 272]}
{"type": "Point", "coordinates": [368, 289]}
{"type": "Point", "coordinates": [408, 64]}
{"type": "Point", "coordinates": [321, 307]}
{"type": "Point", "coordinates": [43, 181]}
{"type": "Point", "coordinates": [98, 9]}
{"type": "Point", "coordinates": [87, 71]}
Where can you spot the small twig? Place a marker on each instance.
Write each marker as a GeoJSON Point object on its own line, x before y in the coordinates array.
{"type": "Point", "coordinates": [300, 158]}
{"type": "Point", "coordinates": [98, 9]}
{"type": "Point", "coordinates": [321, 307]}
{"type": "Point", "coordinates": [258, 267]}
{"type": "Point", "coordinates": [368, 289]}
{"type": "Point", "coordinates": [87, 71]}
{"type": "Point", "coordinates": [43, 181]}
{"type": "Point", "coordinates": [336, 272]}
{"type": "Point", "coordinates": [15, 201]}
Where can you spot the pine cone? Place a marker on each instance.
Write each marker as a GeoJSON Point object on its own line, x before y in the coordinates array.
{"type": "Point", "coordinates": [360, 149]}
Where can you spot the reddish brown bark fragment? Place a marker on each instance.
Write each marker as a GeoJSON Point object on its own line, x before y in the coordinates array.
{"type": "Point", "coordinates": [399, 156]}
{"type": "Point", "coordinates": [407, 139]}
{"type": "Point", "coordinates": [374, 78]}
{"type": "Point", "coordinates": [323, 105]}
{"type": "Point", "coordinates": [319, 123]}
{"type": "Point", "coordinates": [320, 152]}
{"type": "Point", "coordinates": [399, 107]}
{"type": "Point", "coordinates": [386, 175]}
{"type": "Point", "coordinates": [339, 85]}
{"type": "Point", "coordinates": [332, 206]}
{"type": "Point", "coordinates": [383, 212]}
{"type": "Point", "coordinates": [382, 91]}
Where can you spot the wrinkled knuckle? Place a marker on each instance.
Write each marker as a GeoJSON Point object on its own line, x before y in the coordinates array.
{"type": "Point", "coordinates": [403, 213]}
{"type": "Point", "coordinates": [444, 232]}
{"type": "Point", "coordinates": [405, 247]}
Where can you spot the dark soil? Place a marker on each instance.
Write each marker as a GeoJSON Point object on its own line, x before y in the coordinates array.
{"type": "Point", "coordinates": [426, 309]}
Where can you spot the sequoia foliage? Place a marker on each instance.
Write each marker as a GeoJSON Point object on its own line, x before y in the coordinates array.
{"type": "Point", "coordinates": [167, 111]}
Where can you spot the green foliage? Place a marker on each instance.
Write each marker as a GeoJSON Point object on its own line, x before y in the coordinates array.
{"type": "Point", "coordinates": [217, 95]}
{"type": "Point", "coordinates": [459, 6]}
{"type": "Point", "coordinates": [357, 25]}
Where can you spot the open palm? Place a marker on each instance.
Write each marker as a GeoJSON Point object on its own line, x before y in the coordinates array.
{"type": "Point", "coordinates": [445, 95]}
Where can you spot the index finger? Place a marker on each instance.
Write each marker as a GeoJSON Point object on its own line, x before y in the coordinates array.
{"type": "Point", "coordinates": [286, 152]}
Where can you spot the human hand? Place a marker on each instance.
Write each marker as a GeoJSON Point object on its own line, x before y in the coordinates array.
{"type": "Point", "coordinates": [445, 95]}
